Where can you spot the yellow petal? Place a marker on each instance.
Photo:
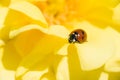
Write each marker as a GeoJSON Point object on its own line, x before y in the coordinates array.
{"type": "Point", "coordinates": [74, 63]}
{"type": "Point", "coordinates": [26, 0]}
{"type": "Point", "coordinates": [31, 11]}
{"type": "Point", "coordinates": [32, 75]}
{"type": "Point", "coordinates": [68, 67]}
{"type": "Point", "coordinates": [46, 46]}
{"type": "Point", "coordinates": [74, 66]}
{"type": "Point", "coordinates": [98, 12]}
{"type": "Point", "coordinates": [42, 70]}
{"type": "Point", "coordinates": [100, 16]}
{"type": "Point", "coordinates": [116, 17]}
{"type": "Point", "coordinates": [26, 38]}
{"type": "Point", "coordinates": [24, 44]}
{"type": "Point", "coordinates": [12, 23]}
{"type": "Point", "coordinates": [1, 43]}
{"type": "Point", "coordinates": [48, 76]}
{"type": "Point", "coordinates": [63, 50]}
{"type": "Point", "coordinates": [98, 48]}
{"type": "Point", "coordinates": [116, 13]}
{"type": "Point", "coordinates": [59, 31]}
{"type": "Point", "coordinates": [3, 31]}
{"type": "Point", "coordinates": [1, 55]}
{"type": "Point", "coordinates": [63, 70]}
{"type": "Point", "coordinates": [4, 2]}
{"type": "Point", "coordinates": [13, 19]}
{"type": "Point", "coordinates": [7, 74]}
{"type": "Point", "coordinates": [4, 12]}
{"type": "Point", "coordinates": [8, 62]}
{"type": "Point", "coordinates": [104, 76]}
{"type": "Point", "coordinates": [90, 4]}
{"type": "Point", "coordinates": [113, 64]}
{"type": "Point", "coordinates": [16, 32]}
{"type": "Point", "coordinates": [9, 56]}
{"type": "Point", "coordinates": [114, 76]}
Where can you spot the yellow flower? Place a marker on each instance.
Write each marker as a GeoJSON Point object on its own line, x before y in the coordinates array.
{"type": "Point", "coordinates": [32, 50]}
{"type": "Point", "coordinates": [13, 23]}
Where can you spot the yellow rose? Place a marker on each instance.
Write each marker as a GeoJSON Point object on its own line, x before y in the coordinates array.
{"type": "Point", "coordinates": [32, 50]}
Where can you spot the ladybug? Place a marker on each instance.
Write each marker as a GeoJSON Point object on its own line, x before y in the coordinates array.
{"type": "Point", "coordinates": [77, 36]}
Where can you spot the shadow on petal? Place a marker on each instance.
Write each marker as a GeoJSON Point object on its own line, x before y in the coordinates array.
{"type": "Point", "coordinates": [10, 58]}
{"type": "Point", "coordinates": [74, 63]}
{"type": "Point", "coordinates": [114, 76]}
{"type": "Point", "coordinates": [27, 40]}
{"type": "Point", "coordinates": [42, 54]}
{"type": "Point", "coordinates": [75, 71]}
{"type": "Point", "coordinates": [5, 2]}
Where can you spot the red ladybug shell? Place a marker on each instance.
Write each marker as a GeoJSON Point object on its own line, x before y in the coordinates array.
{"type": "Point", "coordinates": [77, 35]}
